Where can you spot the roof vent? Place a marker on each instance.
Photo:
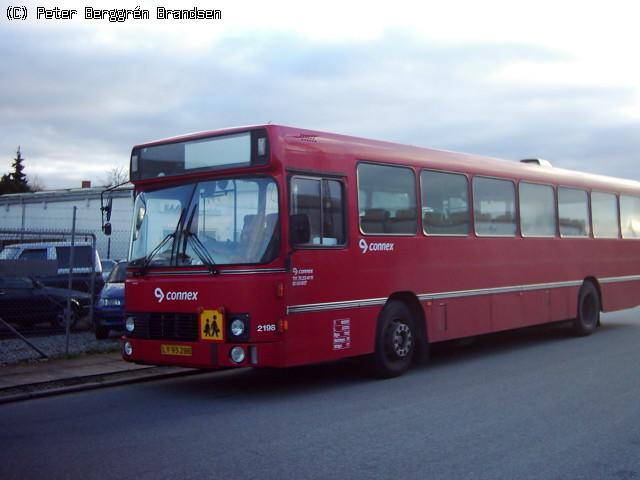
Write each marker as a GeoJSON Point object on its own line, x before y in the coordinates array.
{"type": "Point", "coordinates": [537, 161]}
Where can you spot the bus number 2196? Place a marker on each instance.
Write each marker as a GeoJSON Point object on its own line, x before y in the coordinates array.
{"type": "Point", "coordinates": [267, 328]}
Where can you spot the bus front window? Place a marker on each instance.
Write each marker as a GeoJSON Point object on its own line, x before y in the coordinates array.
{"type": "Point", "coordinates": [235, 220]}
{"type": "Point", "coordinates": [218, 222]}
{"type": "Point", "coordinates": [157, 215]}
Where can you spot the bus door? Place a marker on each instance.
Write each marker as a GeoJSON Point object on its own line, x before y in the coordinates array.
{"type": "Point", "coordinates": [320, 262]}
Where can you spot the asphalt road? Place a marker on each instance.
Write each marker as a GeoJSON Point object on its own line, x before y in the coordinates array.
{"type": "Point", "coordinates": [529, 404]}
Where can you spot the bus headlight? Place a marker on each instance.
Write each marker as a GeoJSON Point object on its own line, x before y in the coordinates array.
{"type": "Point", "coordinates": [130, 324]}
{"type": "Point", "coordinates": [128, 349]}
{"type": "Point", "coordinates": [237, 354]}
{"type": "Point", "coordinates": [237, 327]}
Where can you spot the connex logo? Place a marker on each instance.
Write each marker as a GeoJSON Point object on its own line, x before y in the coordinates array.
{"type": "Point", "coordinates": [375, 246]}
{"type": "Point", "coordinates": [172, 296]}
{"type": "Point", "coordinates": [159, 294]}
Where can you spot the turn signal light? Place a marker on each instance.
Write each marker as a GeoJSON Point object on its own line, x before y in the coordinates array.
{"type": "Point", "coordinates": [283, 326]}
{"type": "Point", "coordinates": [280, 290]}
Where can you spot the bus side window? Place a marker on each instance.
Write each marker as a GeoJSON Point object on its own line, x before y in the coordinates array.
{"type": "Point", "coordinates": [321, 201]}
{"type": "Point", "coordinates": [573, 211]}
{"type": "Point", "coordinates": [494, 205]}
{"type": "Point", "coordinates": [630, 216]}
{"type": "Point", "coordinates": [445, 206]}
{"type": "Point", "coordinates": [604, 215]}
{"type": "Point", "coordinates": [387, 199]}
{"type": "Point", "coordinates": [537, 210]}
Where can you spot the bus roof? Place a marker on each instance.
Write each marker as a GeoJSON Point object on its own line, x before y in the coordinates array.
{"type": "Point", "coordinates": [362, 149]}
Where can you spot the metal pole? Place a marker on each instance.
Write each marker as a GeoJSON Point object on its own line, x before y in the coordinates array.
{"type": "Point", "coordinates": [92, 288]}
{"type": "Point", "coordinates": [23, 218]}
{"type": "Point", "coordinates": [18, 334]}
{"type": "Point", "coordinates": [67, 315]}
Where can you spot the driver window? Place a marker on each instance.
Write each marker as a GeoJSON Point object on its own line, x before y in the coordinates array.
{"type": "Point", "coordinates": [321, 201]}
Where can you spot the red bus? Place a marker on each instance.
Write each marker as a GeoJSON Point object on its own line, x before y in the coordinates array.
{"type": "Point", "coordinates": [277, 246]}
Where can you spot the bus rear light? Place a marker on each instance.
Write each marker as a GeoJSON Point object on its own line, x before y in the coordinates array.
{"type": "Point", "coordinates": [283, 325]}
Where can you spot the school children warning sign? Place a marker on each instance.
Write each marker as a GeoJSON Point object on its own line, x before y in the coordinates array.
{"type": "Point", "coordinates": [211, 325]}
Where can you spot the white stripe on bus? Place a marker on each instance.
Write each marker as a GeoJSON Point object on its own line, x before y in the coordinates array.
{"type": "Point", "coordinates": [372, 302]}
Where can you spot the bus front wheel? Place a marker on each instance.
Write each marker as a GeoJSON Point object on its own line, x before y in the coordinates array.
{"type": "Point", "coordinates": [588, 315]}
{"type": "Point", "coordinates": [395, 342]}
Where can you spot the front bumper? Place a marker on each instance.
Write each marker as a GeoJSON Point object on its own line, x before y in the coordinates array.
{"type": "Point", "coordinates": [211, 355]}
{"type": "Point", "coordinates": [112, 317]}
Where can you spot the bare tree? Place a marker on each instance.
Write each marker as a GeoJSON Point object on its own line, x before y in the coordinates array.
{"type": "Point", "coordinates": [35, 183]}
{"type": "Point", "coordinates": [115, 176]}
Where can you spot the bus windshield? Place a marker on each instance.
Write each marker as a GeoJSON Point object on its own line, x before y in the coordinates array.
{"type": "Point", "coordinates": [216, 222]}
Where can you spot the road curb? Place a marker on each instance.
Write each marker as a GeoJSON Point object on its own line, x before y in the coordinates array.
{"type": "Point", "coordinates": [92, 382]}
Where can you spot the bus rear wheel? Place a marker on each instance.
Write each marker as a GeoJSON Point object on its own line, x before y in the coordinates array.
{"type": "Point", "coordinates": [588, 315]}
{"type": "Point", "coordinates": [395, 341]}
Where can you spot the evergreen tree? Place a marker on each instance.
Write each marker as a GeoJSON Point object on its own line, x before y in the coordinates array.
{"type": "Point", "coordinates": [16, 181]}
{"type": "Point", "coordinates": [18, 175]}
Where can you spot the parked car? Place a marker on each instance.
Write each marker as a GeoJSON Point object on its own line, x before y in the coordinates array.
{"type": "Point", "coordinates": [107, 266]}
{"type": "Point", "coordinates": [26, 302]}
{"type": "Point", "coordinates": [86, 263]}
{"type": "Point", "coordinates": [109, 309]}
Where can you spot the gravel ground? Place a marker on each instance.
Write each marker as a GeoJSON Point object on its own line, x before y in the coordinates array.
{"type": "Point", "coordinates": [15, 350]}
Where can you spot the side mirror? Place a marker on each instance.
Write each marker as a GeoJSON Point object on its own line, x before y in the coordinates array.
{"type": "Point", "coordinates": [105, 210]}
{"type": "Point", "coordinates": [300, 228]}
{"type": "Point", "coordinates": [108, 208]}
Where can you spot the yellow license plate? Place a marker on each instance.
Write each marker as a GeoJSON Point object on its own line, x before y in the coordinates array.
{"type": "Point", "coordinates": [179, 350]}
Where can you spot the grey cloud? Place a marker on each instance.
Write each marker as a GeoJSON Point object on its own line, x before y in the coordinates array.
{"type": "Point", "coordinates": [62, 99]}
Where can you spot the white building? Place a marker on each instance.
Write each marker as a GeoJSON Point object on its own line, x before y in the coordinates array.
{"type": "Point", "coordinates": [53, 210]}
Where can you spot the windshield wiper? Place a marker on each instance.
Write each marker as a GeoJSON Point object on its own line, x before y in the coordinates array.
{"type": "Point", "coordinates": [149, 258]}
{"type": "Point", "coordinates": [201, 251]}
{"type": "Point", "coordinates": [154, 252]}
{"type": "Point", "coordinates": [198, 247]}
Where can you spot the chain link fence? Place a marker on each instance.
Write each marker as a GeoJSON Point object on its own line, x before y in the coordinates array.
{"type": "Point", "coordinates": [54, 261]}
{"type": "Point", "coordinates": [50, 281]}
{"type": "Point", "coordinates": [48, 276]}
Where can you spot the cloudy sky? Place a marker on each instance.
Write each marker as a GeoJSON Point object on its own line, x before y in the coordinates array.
{"type": "Point", "coordinates": [553, 79]}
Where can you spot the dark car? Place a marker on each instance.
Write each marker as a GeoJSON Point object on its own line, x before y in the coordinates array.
{"type": "Point", "coordinates": [109, 309]}
{"type": "Point", "coordinates": [26, 302]}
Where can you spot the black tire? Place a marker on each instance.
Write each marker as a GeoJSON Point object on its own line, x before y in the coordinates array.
{"type": "Point", "coordinates": [588, 313]}
{"type": "Point", "coordinates": [60, 322]}
{"type": "Point", "coordinates": [395, 343]}
{"type": "Point", "coordinates": [102, 333]}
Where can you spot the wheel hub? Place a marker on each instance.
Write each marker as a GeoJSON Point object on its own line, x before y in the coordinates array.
{"type": "Point", "coordinates": [402, 340]}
